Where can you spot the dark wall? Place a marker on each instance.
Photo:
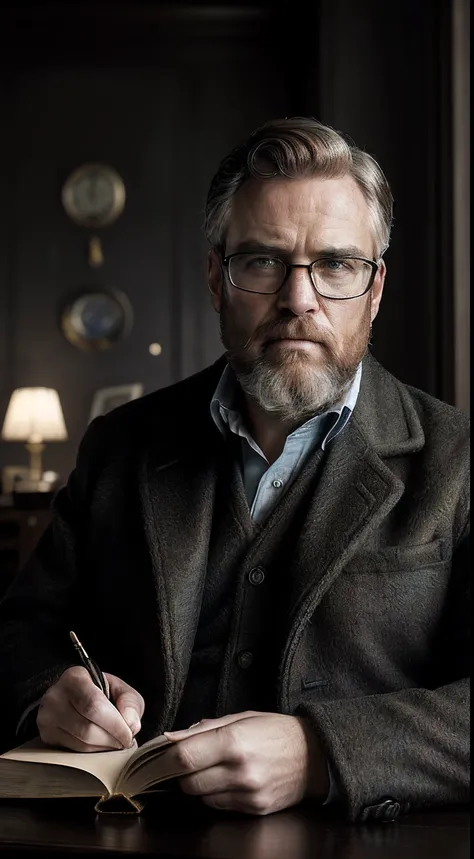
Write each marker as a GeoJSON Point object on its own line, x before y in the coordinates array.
{"type": "Point", "coordinates": [162, 104]}
{"type": "Point", "coordinates": [386, 80]}
{"type": "Point", "coordinates": [161, 93]}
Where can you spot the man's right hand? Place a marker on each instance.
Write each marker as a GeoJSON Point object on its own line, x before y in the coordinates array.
{"type": "Point", "coordinates": [76, 715]}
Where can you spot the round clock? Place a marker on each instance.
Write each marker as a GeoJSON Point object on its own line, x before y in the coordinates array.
{"type": "Point", "coordinates": [94, 319]}
{"type": "Point", "coordinates": [94, 195]}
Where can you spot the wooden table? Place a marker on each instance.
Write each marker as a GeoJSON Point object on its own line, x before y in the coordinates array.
{"type": "Point", "coordinates": [189, 830]}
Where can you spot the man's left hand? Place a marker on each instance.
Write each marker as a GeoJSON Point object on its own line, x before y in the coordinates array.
{"type": "Point", "coordinates": [251, 762]}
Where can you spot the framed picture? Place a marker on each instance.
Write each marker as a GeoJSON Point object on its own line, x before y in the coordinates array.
{"type": "Point", "coordinates": [11, 474]}
{"type": "Point", "coordinates": [106, 399]}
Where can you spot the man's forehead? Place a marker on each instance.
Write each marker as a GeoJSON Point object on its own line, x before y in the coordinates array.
{"type": "Point", "coordinates": [336, 197]}
{"type": "Point", "coordinates": [274, 209]}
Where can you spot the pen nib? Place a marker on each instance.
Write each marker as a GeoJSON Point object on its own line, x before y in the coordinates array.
{"type": "Point", "coordinates": [77, 644]}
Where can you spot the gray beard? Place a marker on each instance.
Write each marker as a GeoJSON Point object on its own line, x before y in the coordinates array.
{"type": "Point", "coordinates": [289, 384]}
{"type": "Point", "coordinates": [292, 391]}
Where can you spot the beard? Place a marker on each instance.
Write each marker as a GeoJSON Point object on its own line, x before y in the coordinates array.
{"type": "Point", "coordinates": [292, 383]}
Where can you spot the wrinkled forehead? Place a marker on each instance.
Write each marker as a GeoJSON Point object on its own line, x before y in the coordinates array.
{"type": "Point", "coordinates": [300, 211]}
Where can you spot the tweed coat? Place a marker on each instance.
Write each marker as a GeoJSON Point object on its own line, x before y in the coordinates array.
{"type": "Point", "coordinates": [376, 647]}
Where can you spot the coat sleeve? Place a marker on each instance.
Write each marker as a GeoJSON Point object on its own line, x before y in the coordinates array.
{"type": "Point", "coordinates": [37, 610]}
{"type": "Point", "coordinates": [410, 745]}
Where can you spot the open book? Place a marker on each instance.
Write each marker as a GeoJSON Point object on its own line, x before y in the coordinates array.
{"type": "Point", "coordinates": [34, 770]}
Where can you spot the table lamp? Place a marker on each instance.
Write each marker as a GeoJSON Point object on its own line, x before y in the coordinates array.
{"type": "Point", "coordinates": [34, 415]}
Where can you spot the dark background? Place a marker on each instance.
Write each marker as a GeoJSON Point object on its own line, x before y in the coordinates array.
{"type": "Point", "coordinates": [161, 93]}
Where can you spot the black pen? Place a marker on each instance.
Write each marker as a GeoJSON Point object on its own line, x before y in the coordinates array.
{"type": "Point", "coordinates": [92, 667]}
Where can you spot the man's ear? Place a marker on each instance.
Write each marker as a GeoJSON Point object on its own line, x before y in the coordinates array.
{"type": "Point", "coordinates": [377, 290]}
{"type": "Point", "coordinates": [215, 279]}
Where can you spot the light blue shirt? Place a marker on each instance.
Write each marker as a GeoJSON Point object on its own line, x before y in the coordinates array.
{"type": "Point", "coordinates": [264, 483]}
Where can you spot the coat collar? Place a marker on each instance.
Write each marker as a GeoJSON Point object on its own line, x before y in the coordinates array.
{"type": "Point", "coordinates": [385, 414]}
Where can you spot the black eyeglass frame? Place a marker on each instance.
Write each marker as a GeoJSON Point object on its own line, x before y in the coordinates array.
{"type": "Point", "coordinates": [289, 266]}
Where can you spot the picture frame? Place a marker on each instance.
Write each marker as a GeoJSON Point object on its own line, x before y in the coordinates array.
{"type": "Point", "coordinates": [12, 473]}
{"type": "Point", "coordinates": [106, 399]}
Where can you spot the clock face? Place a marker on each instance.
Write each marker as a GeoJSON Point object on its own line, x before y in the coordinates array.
{"type": "Point", "coordinates": [94, 195]}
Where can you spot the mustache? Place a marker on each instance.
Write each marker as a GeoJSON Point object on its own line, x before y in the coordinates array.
{"type": "Point", "coordinates": [284, 327]}
{"type": "Point", "coordinates": [290, 329]}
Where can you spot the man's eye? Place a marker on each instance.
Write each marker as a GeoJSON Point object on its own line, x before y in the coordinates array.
{"type": "Point", "coordinates": [338, 266]}
{"type": "Point", "coordinates": [264, 262]}
{"type": "Point", "coordinates": [333, 264]}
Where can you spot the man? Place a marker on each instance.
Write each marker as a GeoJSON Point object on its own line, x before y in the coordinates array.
{"type": "Point", "coordinates": [269, 559]}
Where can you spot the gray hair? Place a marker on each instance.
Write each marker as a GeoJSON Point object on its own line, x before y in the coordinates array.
{"type": "Point", "coordinates": [295, 148]}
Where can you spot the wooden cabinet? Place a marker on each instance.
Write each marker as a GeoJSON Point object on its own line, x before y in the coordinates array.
{"type": "Point", "coordinates": [20, 530]}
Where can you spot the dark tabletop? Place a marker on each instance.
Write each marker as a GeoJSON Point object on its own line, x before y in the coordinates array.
{"type": "Point", "coordinates": [189, 830]}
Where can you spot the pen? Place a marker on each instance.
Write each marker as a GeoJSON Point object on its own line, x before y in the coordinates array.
{"type": "Point", "coordinates": [92, 667]}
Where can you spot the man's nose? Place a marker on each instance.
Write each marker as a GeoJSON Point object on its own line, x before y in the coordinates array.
{"type": "Point", "coordinates": [298, 293]}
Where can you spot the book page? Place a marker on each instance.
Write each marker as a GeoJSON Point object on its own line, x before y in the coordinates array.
{"type": "Point", "coordinates": [151, 749]}
{"type": "Point", "coordinates": [25, 780]}
{"type": "Point", "coordinates": [149, 766]}
{"type": "Point", "coordinates": [105, 766]}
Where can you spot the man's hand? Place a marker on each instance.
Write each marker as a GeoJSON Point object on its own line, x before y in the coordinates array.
{"type": "Point", "coordinates": [75, 714]}
{"type": "Point", "coordinates": [251, 762]}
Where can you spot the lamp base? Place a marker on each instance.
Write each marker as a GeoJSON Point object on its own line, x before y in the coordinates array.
{"type": "Point", "coordinates": [28, 492]}
{"type": "Point", "coordinates": [25, 484]}
{"type": "Point", "coordinates": [35, 449]}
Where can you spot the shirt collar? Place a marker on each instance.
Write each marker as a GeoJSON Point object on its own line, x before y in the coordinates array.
{"type": "Point", "coordinates": [226, 413]}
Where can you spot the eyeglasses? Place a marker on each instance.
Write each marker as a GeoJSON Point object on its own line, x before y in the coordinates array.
{"type": "Point", "coordinates": [338, 278]}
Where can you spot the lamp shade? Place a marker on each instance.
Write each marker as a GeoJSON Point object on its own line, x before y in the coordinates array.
{"type": "Point", "coordinates": [34, 415]}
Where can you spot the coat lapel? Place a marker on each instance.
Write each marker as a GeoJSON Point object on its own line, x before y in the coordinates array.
{"type": "Point", "coordinates": [355, 492]}
{"type": "Point", "coordinates": [177, 490]}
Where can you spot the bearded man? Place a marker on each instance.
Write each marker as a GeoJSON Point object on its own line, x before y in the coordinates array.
{"type": "Point", "coordinates": [269, 560]}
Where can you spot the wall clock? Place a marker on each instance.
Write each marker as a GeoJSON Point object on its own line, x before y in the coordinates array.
{"type": "Point", "coordinates": [93, 195]}
{"type": "Point", "coordinates": [94, 319]}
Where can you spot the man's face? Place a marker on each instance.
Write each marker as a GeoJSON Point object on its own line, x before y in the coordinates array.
{"type": "Point", "coordinates": [294, 352]}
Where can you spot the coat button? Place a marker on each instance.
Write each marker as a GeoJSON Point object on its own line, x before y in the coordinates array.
{"type": "Point", "coordinates": [256, 576]}
{"type": "Point", "coordinates": [245, 658]}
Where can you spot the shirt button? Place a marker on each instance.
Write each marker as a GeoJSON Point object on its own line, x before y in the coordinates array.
{"type": "Point", "coordinates": [256, 576]}
{"type": "Point", "coordinates": [277, 484]}
{"type": "Point", "coordinates": [245, 658]}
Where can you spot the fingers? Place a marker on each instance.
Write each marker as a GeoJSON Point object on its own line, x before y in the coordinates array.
{"type": "Point", "coordinates": [76, 744]}
{"type": "Point", "coordinates": [214, 780]}
{"type": "Point", "coordinates": [128, 702]}
{"type": "Point", "coordinates": [201, 751]}
{"type": "Point", "coordinates": [75, 713]}
{"type": "Point", "coordinates": [251, 762]}
{"type": "Point", "coordinates": [229, 789]}
{"type": "Point", "coordinates": [209, 725]}
{"type": "Point", "coordinates": [195, 752]}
